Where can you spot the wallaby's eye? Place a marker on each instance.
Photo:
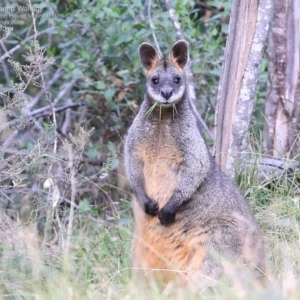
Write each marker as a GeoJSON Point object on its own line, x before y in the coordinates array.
{"type": "Point", "coordinates": [177, 79]}
{"type": "Point", "coordinates": [154, 80]}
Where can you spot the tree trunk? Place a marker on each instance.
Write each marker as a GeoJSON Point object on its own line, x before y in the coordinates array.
{"type": "Point", "coordinates": [282, 110]}
{"type": "Point", "coordinates": [248, 29]}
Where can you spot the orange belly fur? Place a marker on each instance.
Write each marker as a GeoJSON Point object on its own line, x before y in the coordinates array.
{"type": "Point", "coordinates": [157, 247]}
{"type": "Point", "coordinates": [159, 252]}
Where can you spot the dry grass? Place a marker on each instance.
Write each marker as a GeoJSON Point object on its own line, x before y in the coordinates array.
{"type": "Point", "coordinates": [98, 265]}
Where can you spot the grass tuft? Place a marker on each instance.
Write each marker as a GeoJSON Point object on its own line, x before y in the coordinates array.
{"type": "Point", "coordinates": [150, 110]}
{"type": "Point", "coordinates": [98, 263]}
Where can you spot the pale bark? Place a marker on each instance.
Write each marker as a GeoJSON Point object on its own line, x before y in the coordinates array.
{"type": "Point", "coordinates": [282, 106]}
{"type": "Point", "coordinates": [292, 91]}
{"type": "Point", "coordinates": [248, 30]}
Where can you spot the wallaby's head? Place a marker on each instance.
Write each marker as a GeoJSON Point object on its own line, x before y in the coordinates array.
{"type": "Point", "coordinates": [165, 76]}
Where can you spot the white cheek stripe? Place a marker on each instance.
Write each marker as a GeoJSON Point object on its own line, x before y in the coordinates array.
{"type": "Point", "coordinates": [173, 99]}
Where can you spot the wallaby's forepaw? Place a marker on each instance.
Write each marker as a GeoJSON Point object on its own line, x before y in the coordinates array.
{"type": "Point", "coordinates": [151, 207]}
{"type": "Point", "coordinates": [166, 216]}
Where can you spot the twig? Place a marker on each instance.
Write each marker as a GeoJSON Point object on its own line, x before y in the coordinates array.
{"type": "Point", "coordinates": [55, 197]}
{"type": "Point", "coordinates": [14, 49]}
{"type": "Point", "coordinates": [61, 229]}
{"type": "Point", "coordinates": [174, 19]}
{"type": "Point", "coordinates": [33, 20]}
{"type": "Point", "coordinates": [63, 92]}
{"type": "Point", "coordinates": [44, 111]}
{"type": "Point", "coordinates": [48, 95]}
{"type": "Point", "coordinates": [95, 220]}
{"type": "Point", "coordinates": [5, 71]}
{"type": "Point", "coordinates": [59, 72]}
{"type": "Point", "coordinates": [4, 66]}
{"type": "Point", "coordinates": [51, 105]}
{"type": "Point", "coordinates": [152, 29]}
{"type": "Point", "coordinates": [66, 122]}
{"type": "Point", "coordinates": [189, 73]}
{"type": "Point", "coordinates": [61, 158]}
{"type": "Point", "coordinates": [73, 192]}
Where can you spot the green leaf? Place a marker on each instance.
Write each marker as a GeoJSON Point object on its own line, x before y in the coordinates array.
{"type": "Point", "coordinates": [100, 85]}
{"type": "Point", "coordinates": [109, 94]}
{"type": "Point", "coordinates": [92, 153]}
{"type": "Point", "coordinates": [85, 54]}
{"type": "Point", "coordinates": [84, 205]}
{"type": "Point", "coordinates": [124, 38]}
{"type": "Point", "coordinates": [111, 146]}
{"type": "Point", "coordinates": [77, 73]}
{"type": "Point", "coordinates": [103, 71]}
{"type": "Point", "coordinates": [123, 73]}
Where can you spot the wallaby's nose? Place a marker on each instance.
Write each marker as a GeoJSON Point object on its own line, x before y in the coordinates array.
{"type": "Point", "coordinates": [166, 92]}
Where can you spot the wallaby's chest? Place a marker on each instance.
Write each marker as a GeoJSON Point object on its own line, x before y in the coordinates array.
{"type": "Point", "coordinates": [161, 158]}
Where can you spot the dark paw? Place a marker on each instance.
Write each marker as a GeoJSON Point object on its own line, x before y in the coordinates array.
{"type": "Point", "coordinates": [166, 217]}
{"type": "Point", "coordinates": [151, 207]}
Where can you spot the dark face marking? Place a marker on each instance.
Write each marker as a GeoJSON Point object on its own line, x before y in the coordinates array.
{"type": "Point", "coordinates": [165, 64]}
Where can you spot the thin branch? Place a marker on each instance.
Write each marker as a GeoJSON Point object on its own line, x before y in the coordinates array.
{"type": "Point", "coordinates": [66, 122]}
{"type": "Point", "coordinates": [152, 29]}
{"type": "Point", "coordinates": [55, 196]}
{"type": "Point", "coordinates": [60, 95]}
{"type": "Point", "coordinates": [174, 19]}
{"type": "Point", "coordinates": [48, 95]}
{"type": "Point", "coordinates": [4, 66]}
{"type": "Point", "coordinates": [57, 75]}
{"type": "Point", "coordinates": [64, 91]}
{"type": "Point", "coordinates": [48, 110]}
{"type": "Point", "coordinates": [61, 158]}
{"type": "Point", "coordinates": [5, 71]}
{"type": "Point", "coordinates": [95, 220]}
{"type": "Point", "coordinates": [189, 73]}
{"type": "Point", "coordinates": [17, 47]}
{"type": "Point", "coordinates": [73, 193]}
{"type": "Point", "coordinates": [33, 20]}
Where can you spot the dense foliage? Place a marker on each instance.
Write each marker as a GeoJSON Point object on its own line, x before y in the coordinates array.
{"type": "Point", "coordinates": [69, 90]}
{"type": "Point", "coordinates": [88, 68]}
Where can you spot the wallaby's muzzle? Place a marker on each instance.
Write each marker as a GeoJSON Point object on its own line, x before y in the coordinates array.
{"type": "Point", "coordinates": [166, 92]}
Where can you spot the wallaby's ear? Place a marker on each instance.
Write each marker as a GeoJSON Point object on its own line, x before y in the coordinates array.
{"type": "Point", "coordinates": [148, 56]}
{"type": "Point", "coordinates": [179, 53]}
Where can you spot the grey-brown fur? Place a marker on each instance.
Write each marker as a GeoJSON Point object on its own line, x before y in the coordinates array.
{"type": "Point", "coordinates": [204, 199]}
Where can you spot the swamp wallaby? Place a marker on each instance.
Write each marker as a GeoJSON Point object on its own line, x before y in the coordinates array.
{"type": "Point", "coordinates": [188, 215]}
